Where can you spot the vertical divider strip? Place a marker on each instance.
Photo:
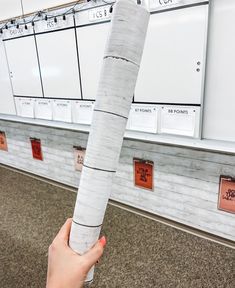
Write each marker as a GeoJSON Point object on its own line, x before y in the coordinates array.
{"type": "Point", "coordinates": [79, 70]}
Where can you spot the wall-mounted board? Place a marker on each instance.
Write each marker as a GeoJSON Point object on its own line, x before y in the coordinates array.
{"type": "Point", "coordinates": [10, 8]}
{"type": "Point", "coordinates": [23, 65]}
{"type": "Point", "coordinates": [59, 64]}
{"type": "Point", "coordinates": [91, 44]}
{"type": "Point", "coordinates": [6, 98]}
{"type": "Point", "coordinates": [92, 32]}
{"type": "Point", "coordinates": [174, 57]}
{"type": "Point", "coordinates": [219, 115]}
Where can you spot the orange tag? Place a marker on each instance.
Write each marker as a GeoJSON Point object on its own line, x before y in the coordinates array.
{"type": "Point", "coordinates": [227, 194]}
{"type": "Point", "coordinates": [143, 173]}
{"type": "Point", "coordinates": [3, 141]}
{"type": "Point", "coordinates": [36, 149]}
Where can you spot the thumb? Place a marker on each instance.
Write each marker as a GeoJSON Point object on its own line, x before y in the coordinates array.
{"type": "Point", "coordinates": [94, 254]}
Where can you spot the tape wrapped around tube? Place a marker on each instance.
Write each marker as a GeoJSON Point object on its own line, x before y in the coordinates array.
{"type": "Point", "coordinates": [114, 97]}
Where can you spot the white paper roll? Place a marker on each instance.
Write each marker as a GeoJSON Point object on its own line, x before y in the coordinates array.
{"type": "Point", "coordinates": [114, 97]}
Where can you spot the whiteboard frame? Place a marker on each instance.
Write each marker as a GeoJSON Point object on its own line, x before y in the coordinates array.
{"type": "Point", "coordinates": [201, 144]}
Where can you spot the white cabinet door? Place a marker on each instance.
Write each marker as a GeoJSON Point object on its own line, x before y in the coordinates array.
{"type": "Point", "coordinates": [59, 64]}
{"type": "Point", "coordinates": [10, 9]}
{"type": "Point", "coordinates": [23, 64]}
{"type": "Point", "coordinates": [6, 98]}
{"type": "Point", "coordinates": [91, 45]}
{"type": "Point", "coordinates": [174, 57]}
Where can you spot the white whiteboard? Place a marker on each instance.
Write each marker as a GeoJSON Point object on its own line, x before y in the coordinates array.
{"type": "Point", "coordinates": [175, 45]}
{"type": "Point", "coordinates": [23, 65]}
{"type": "Point", "coordinates": [59, 64]}
{"type": "Point", "coordinates": [10, 8]}
{"type": "Point", "coordinates": [6, 99]}
{"type": "Point", "coordinates": [219, 115]}
{"type": "Point", "coordinates": [91, 45]}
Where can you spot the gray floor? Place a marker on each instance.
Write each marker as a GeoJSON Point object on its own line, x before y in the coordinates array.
{"type": "Point", "coordinates": [140, 252]}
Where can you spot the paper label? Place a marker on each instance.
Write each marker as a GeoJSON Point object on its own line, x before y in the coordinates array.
{"type": "Point", "coordinates": [82, 112]}
{"type": "Point", "coordinates": [99, 14]}
{"type": "Point", "coordinates": [43, 109]}
{"type": "Point", "coordinates": [17, 32]}
{"type": "Point", "coordinates": [178, 120]}
{"type": "Point", "coordinates": [143, 118]}
{"type": "Point", "coordinates": [62, 110]}
{"type": "Point", "coordinates": [163, 3]}
{"type": "Point", "coordinates": [25, 107]}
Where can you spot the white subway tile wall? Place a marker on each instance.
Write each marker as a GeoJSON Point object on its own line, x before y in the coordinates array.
{"type": "Point", "coordinates": [186, 181]}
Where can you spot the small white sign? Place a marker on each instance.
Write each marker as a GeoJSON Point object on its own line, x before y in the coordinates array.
{"type": "Point", "coordinates": [99, 14]}
{"type": "Point", "coordinates": [43, 109]}
{"type": "Point", "coordinates": [178, 121]}
{"type": "Point", "coordinates": [62, 110]}
{"type": "Point", "coordinates": [25, 107]}
{"type": "Point", "coordinates": [50, 24]}
{"type": "Point", "coordinates": [16, 32]}
{"type": "Point", "coordinates": [143, 118]}
{"type": "Point", "coordinates": [82, 111]}
{"type": "Point", "coordinates": [163, 3]}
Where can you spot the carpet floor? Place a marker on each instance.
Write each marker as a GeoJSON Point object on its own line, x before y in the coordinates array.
{"type": "Point", "coordinates": [140, 252]}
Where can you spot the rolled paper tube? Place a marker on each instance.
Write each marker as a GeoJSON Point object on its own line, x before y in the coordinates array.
{"type": "Point", "coordinates": [119, 73]}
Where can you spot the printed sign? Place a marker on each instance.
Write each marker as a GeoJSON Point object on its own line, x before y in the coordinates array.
{"type": "Point", "coordinates": [25, 107]}
{"type": "Point", "coordinates": [82, 111]}
{"type": "Point", "coordinates": [143, 173]}
{"type": "Point", "coordinates": [36, 149]}
{"type": "Point", "coordinates": [99, 14]}
{"type": "Point", "coordinates": [79, 155]}
{"type": "Point", "coordinates": [50, 24]}
{"type": "Point", "coordinates": [17, 32]}
{"type": "Point", "coordinates": [163, 3]}
{"type": "Point", "coordinates": [3, 141]}
{"type": "Point", "coordinates": [178, 120]}
{"type": "Point", "coordinates": [43, 109]}
{"type": "Point", "coordinates": [227, 194]}
{"type": "Point", "coordinates": [62, 110]}
{"type": "Point", "coordinates": [143, 118]}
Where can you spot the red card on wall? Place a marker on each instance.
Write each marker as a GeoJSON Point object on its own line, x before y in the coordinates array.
{"type": "Point", "coordinates": [36, 149]}
{"type": "Point", "coordinates": [227, 194]}
{"type": "Point", "coordinates": [3, 141]}
{"type": "Point", "coordinates": [143, 173]}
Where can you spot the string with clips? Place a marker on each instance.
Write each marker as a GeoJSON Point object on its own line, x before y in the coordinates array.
{"type": "Point", "coordinates": [42, 15]}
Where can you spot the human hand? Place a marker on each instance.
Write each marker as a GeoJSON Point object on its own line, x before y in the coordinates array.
{"type": "Point", "coordinates": [66, 268]}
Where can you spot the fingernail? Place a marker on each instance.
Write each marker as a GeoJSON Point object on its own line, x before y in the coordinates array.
{"type": "Point", "coordinates": [103, 241]}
